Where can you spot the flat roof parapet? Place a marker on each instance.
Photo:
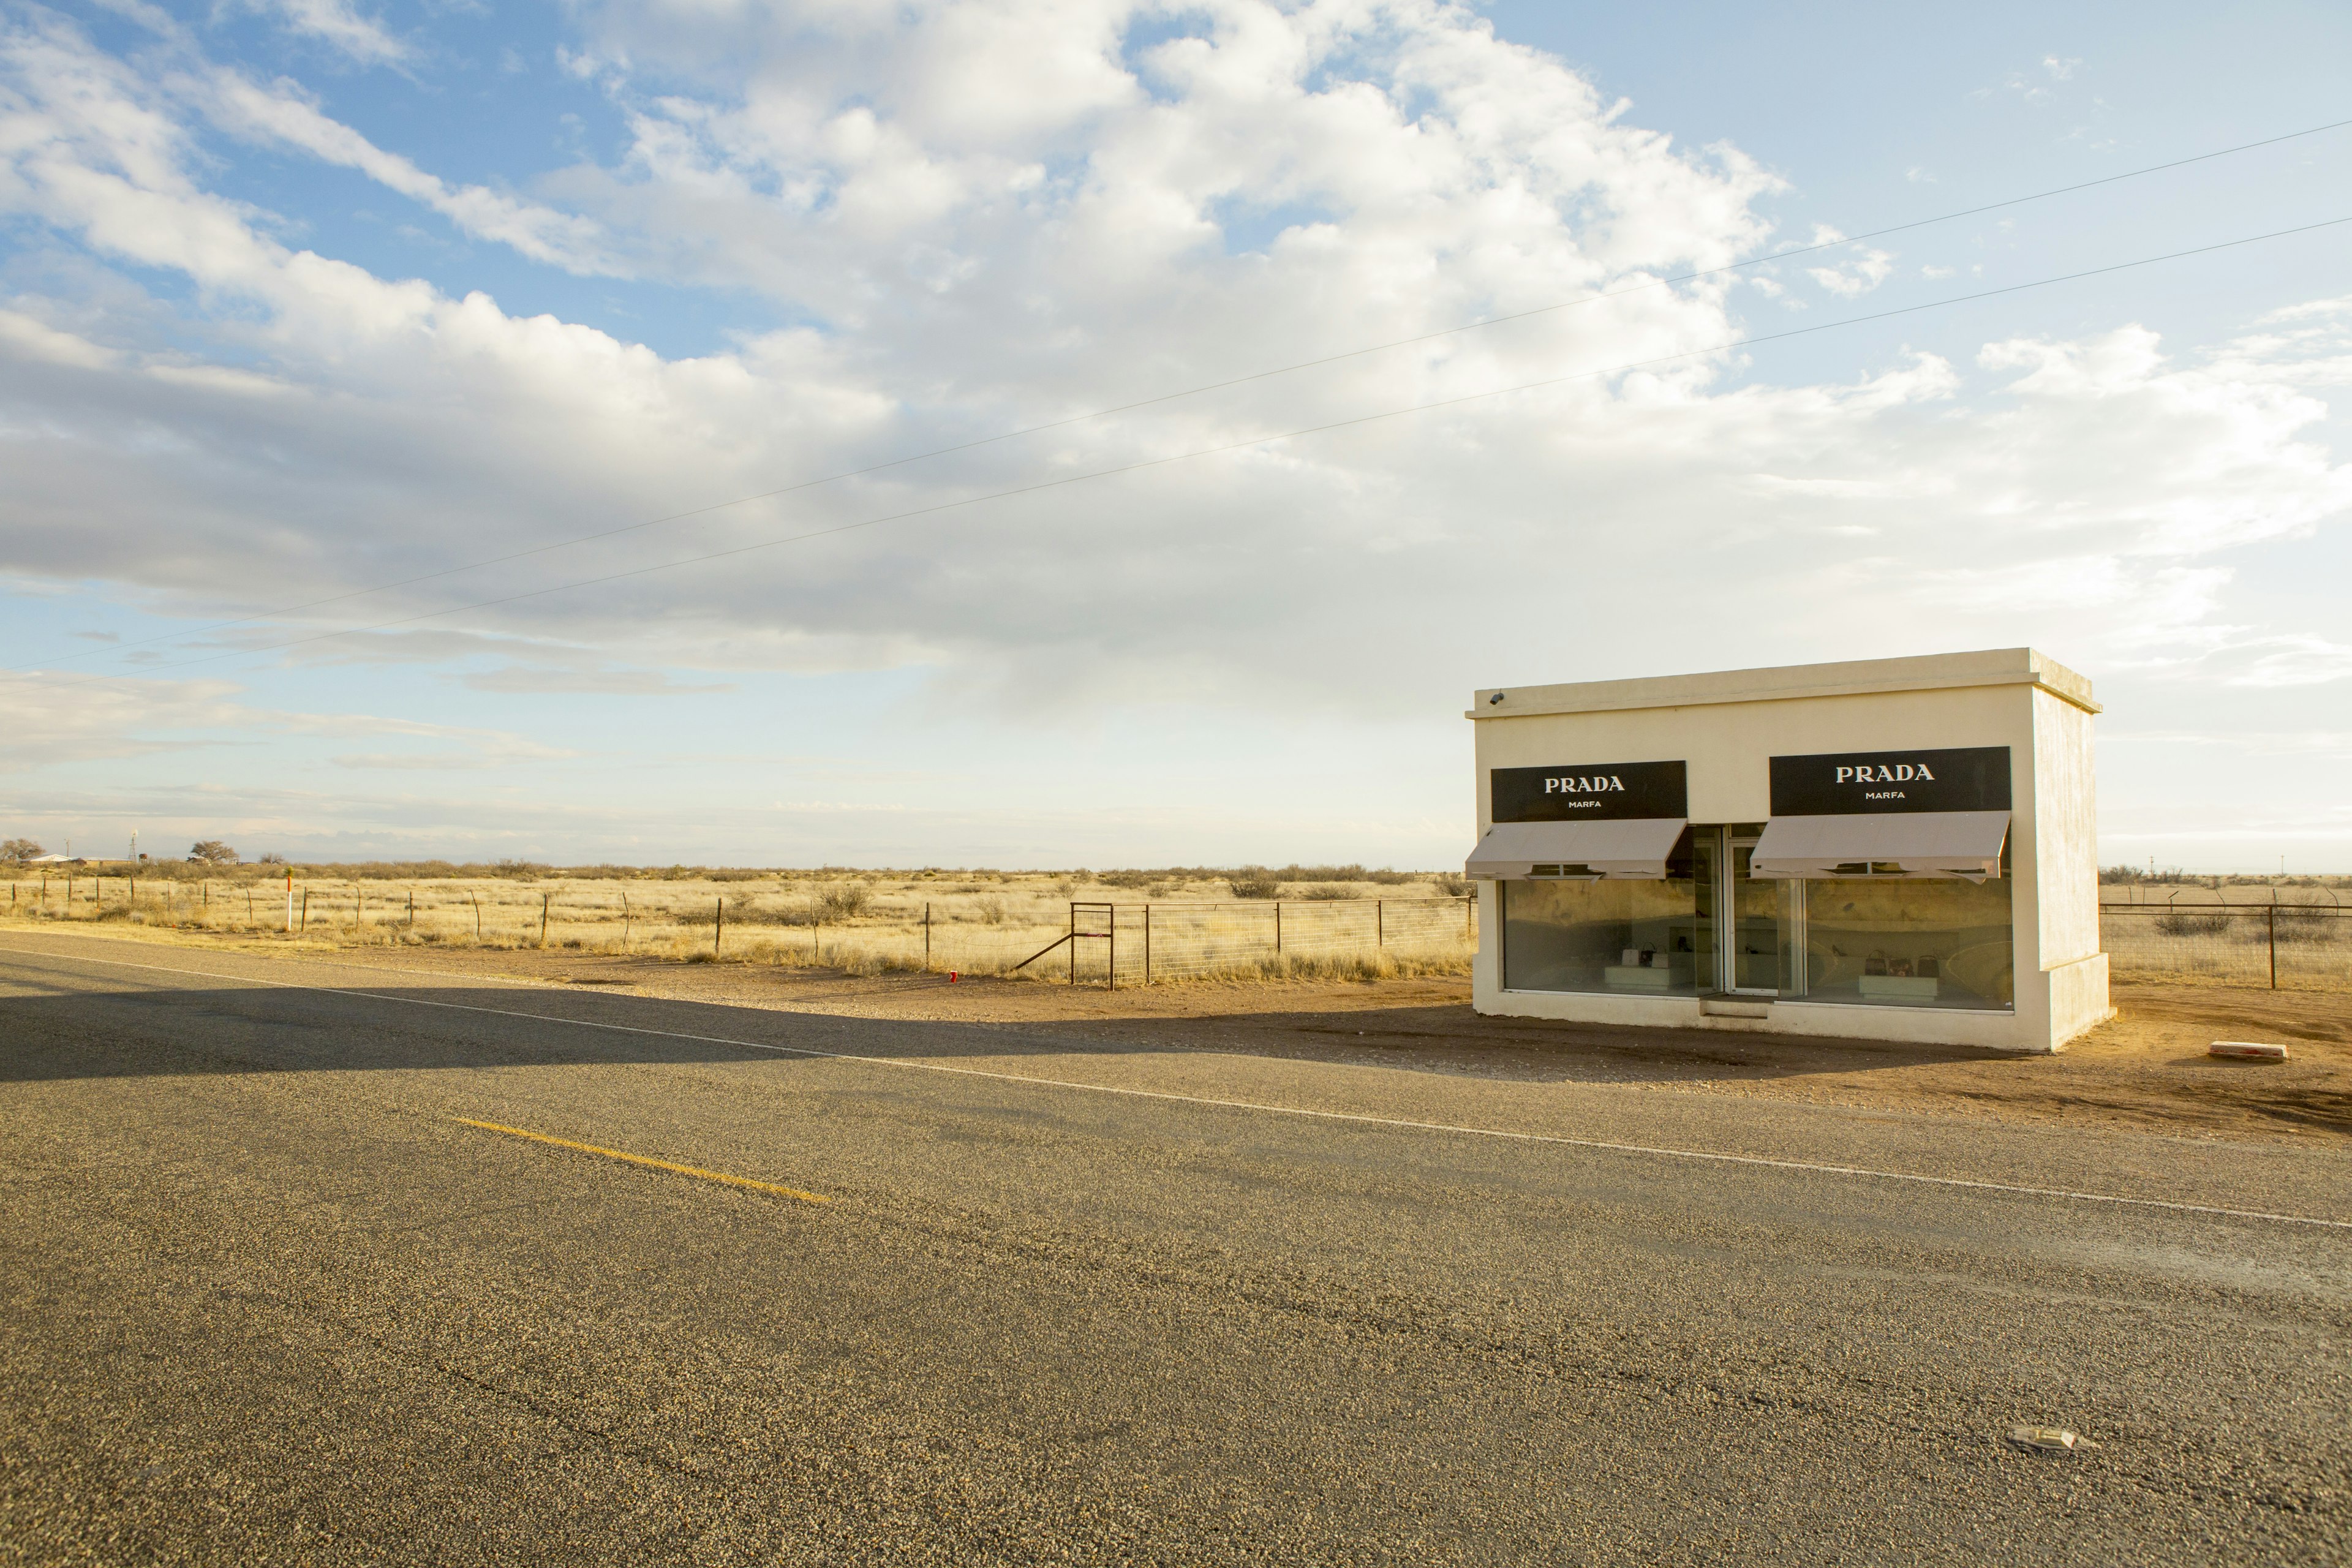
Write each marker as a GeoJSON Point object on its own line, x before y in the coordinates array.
{"type": "Point", "coordinates": [1928, 673]}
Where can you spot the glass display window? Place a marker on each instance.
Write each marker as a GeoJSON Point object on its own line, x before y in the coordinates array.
{"type": "Point", "coordinates": [1640, 937]}
{"type": "Point", "coordinates": [1711, 927]}
{"type": "Point", "coordinates": [1909, 941]}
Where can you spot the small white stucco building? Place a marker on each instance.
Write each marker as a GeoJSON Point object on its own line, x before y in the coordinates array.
{"type": "Point", "coordinates": [1896, 849]}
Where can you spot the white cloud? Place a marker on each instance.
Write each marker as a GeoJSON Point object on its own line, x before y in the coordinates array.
{"type": "Point", "coordinates": [2214, 462]}
{"type": "Point", "coordinates": [285, 117]}
{"type": "Point", "coordinates": [22, 337]}
{"type": "Point", "coordinates": [2307, 346]}
{"type": "Point", "coordinates": [2300, 660]}
{"type": "Point", "coordinates": [2033, 88]}
{"type": "Point", "coordinates": [441, 762]}
{"type": "Point", "coordinates": [1855, 274]}
{"type": "Point", "coordinates": [340, 25]}
{"type": "Point", "coordinates": [602, 681]}
{"type": "Point", "coordinates": [75, 718]}
{"type": "Point", "coordinates": [51, 721]}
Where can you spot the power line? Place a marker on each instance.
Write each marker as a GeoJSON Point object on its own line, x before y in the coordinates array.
{"type": "Point", "coordinates": [1188, 392]}
{"type": "Point", "coordinates": [1224, 448]}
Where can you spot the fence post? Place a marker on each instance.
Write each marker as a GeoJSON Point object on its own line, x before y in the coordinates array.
{"type": "Point", "coordinates": [2274, 940]}
{"type": "Point", "coordinates": [926, 936]}
{"type": "Point", "coordinates": [718, 923]}
{"type": "Point", "coordinates": [477, 916]}
{"type": "Point", "coordinates": [624, 919]}
{"type": "Point", "coordinates": [306, 911]}
{"type": "Point", "coordinates": [1146, 943]}
{"type": "Point", "coordinates": [1074, 942]}
{"type": "Point", "coordinates": [544, 899]}
{"type": "Point", "coordinates": [1114, 947]}
{"type": "Point", "coordinates": [1380, 924]}
{"type": "Point", "coordinates": [1277, 928]}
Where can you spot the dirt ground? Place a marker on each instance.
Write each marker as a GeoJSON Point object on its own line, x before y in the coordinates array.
{"type": "Point", "coordinates": [2146, 1070]}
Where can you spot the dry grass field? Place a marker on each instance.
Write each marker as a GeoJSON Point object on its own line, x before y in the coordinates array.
{"type": "Point", "coordinates": [1305, 923]}
{"type": "Point", "coordinates": [1323, 922]}
{"type": "Point", "coordinates": [2292, 934]}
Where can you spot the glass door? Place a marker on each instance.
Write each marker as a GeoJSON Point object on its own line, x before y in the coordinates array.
{"type": "Point", "coordinates": [1755, 937]}
{"type": "Point", "coordinates": [1706, 876]}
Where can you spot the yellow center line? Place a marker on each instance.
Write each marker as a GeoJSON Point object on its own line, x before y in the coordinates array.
{"type": "Point", "coordinates": [646, 1160]}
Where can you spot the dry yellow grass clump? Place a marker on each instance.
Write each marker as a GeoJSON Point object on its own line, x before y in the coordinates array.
{"type": "Point", "coordinates": [1154, 926]}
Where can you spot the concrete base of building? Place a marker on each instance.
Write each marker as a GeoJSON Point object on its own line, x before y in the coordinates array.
{"type": "Point", "coordinates": [2080, 1002]}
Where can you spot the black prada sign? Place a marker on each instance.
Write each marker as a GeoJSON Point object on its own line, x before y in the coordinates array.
{"type": "Point", "coordinates": [1853, 784]}
{"type": "Point", "coordinates": [1590, 792]}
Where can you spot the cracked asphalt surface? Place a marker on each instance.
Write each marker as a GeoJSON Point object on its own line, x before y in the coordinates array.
{"type": "Point", "coordinates": [269, 1299]}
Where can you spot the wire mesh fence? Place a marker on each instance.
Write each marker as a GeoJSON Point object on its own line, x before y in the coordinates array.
{"type": "Point", "coordinates": [1139, 945]}
{"type": "Point", "coordinates": [2289, 947]}
{"type": "Point", "coordinates": [974, 930]}
{"type": "Point", "coordinates": [998, 927]}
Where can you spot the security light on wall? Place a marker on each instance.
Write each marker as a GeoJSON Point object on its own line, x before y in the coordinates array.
{"type": "Point", "coordinates": [1495, 698]}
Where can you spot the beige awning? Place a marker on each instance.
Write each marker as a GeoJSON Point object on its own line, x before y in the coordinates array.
{"type": "Point", "coordinates": [1907, 843]}
{"type": "Point", "coordinates": [1515, 851]}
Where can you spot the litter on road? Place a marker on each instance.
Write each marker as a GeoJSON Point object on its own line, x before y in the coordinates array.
{"type": "Point", "coordinates": [2049, 1439]}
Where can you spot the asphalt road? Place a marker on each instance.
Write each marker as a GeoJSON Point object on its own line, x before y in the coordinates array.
{"type": "Point", "coordinates": [270, 1297]}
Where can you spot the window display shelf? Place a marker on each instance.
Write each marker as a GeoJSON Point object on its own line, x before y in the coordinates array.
{"type": "Point", "coordinates": [1899, 987]}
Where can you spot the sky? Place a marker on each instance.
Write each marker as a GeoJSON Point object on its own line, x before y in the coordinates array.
{"type": "Point", "coordinates": [1053, 433]}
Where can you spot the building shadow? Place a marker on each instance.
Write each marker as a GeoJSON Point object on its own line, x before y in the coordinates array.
{"type": "Point", "coordinates": [1451, 1038]}
{"type": "Point", "coordinates": [102, 1031]}
{"type": "Point", "coordinates": [67, 1023]}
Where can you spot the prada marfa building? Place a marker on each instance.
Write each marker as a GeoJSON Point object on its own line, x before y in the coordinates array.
{"type": "Point", "coordinates": [1899, 848]}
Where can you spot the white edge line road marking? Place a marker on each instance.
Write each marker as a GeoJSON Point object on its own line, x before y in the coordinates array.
{"type": "Point", "coordinates": [1353, 1116]}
